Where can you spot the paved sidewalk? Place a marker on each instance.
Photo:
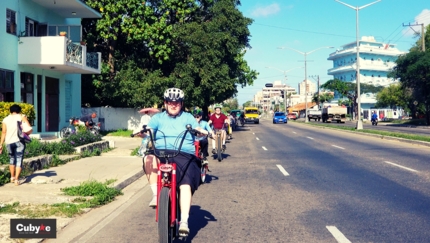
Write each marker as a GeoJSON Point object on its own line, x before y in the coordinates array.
{"type": "Point", "coordinates": [43, 187]}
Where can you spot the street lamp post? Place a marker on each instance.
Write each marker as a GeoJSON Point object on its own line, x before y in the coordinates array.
{"type": "Point", "coordinates": [305, 54]}
{"type": "Point", "coordinates": [285, 76]}
{"type": "Point", "coordinates": [359, 125]}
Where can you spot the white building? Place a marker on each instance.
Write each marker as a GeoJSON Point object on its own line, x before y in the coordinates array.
{"type": "Point", "coordinates": [311, 88]}
{"type": "Point", "coordinates": [377, 59]}
{"type": "Point", "coordinates": [273, 94]}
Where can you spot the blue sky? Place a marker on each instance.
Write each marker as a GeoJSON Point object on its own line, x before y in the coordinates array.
{"type": "Point", "coordinates": [306, 25]}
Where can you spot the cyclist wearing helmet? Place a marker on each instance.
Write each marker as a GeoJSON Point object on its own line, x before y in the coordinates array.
{"type": "Point", "coordinates": [167, 127]}
{"type": "Point", "coordinates": [203, 140]}
{"type": "Point", "coordinates": [217, 120]}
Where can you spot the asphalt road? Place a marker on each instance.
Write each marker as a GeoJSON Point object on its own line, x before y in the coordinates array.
{"type": "Point", "coordinates": [293, 183]}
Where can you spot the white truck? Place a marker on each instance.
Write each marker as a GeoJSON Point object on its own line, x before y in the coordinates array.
{"type": "Point", "coordinates": [337, 113]}
{"type": "Point", "coordinates": [314, 114]}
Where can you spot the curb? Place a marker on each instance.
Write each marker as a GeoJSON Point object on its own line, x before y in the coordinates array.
{"type": "Point", "coordinates": [403, 140]}
{"type": "Point", "coordinates": [130, 180]}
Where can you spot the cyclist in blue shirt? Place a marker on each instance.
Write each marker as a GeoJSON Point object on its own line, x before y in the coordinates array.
{"type": "Point", "coordinates": [168, 128]}
{"type": "Point", "coordinates": [374, 116]}
{"type": "Point", "coordinates": [203, 140]}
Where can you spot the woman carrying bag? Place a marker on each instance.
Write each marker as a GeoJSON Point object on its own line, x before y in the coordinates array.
{"type": "Point", "coordinates": [14, 146]}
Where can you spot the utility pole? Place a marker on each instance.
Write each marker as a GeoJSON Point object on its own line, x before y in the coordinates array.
{"type": "Point", "coordinates": [423, 42]}
{"type": "Point", "coordinates": [318, 81]}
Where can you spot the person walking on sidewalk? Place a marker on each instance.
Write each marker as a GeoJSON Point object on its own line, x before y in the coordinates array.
{"type": "Point", "coordinates": [9, 136]}
{"type": "Point", "coordinates": [167, 126]}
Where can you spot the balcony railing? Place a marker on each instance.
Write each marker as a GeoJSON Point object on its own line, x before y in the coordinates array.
{"type": "Point", "coordinates": [59, 54]}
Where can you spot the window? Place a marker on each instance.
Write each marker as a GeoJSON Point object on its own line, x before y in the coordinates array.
{"type": "Point", "coordinates": [10, 22]}
{"type": "Point", "coordinates": [27, 88]}
{"type": "Point", "coordinates": [6, 85]}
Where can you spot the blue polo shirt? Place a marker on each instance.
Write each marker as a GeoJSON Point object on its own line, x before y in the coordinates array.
{"type": "Point", "coordinates": [172, 129]}
{"type": "Point", "coordinates": [204, 125]}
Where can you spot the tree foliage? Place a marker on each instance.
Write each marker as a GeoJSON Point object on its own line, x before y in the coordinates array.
{"type": "Point", "coordinates": [149, 46]}
{"type": "Point", "coordinates": [349, 90]}
{"type": "Point", "coordinates": [413, 71]}
{"type": "Point", "coordinates": [323, 97]}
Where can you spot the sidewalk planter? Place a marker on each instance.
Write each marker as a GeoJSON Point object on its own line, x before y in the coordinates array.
{"type": "Point", "coordinates": [101, 145]}
{"type": "Point", "coordinates": [37, 163]}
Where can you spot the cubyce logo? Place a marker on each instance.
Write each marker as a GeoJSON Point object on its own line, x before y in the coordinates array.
{"type": "Point", "coordinates": [33, 228]}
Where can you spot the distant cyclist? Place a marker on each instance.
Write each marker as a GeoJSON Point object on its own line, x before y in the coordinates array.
{"type": "Point", "coordinates": [203, 140]}
{"type": "Point", "coordinates": [374, 116]}
{"type": "Point", "coordinates": [218, 120]}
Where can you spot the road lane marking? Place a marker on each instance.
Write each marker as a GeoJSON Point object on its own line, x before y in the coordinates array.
{"type": "Point", "coordinates": [294, 132]}
{"type": "Point", "coordinates": [253, 133]}
{"type": "Point", "coordinates": [400, 166]}
{"type": "Point", "coordinates": [337, 146]}
{"type": "Point", "coordinates": [337, 234]}
{"type": "Point", "coordinates": [310, 138]}
{"type": "Point", "coordinates": [264, 148]}
{"type": "Point", "coordinates": [283, 170]}
{"type": "Point", "coordinates": [257, 138]}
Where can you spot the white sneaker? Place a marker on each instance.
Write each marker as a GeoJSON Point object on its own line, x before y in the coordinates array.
{"type": "Point", "coordinates": [183, 229]}
{"type": "Point", "coordinates": [153, 202]}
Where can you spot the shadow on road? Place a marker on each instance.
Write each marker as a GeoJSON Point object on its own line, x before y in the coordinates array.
{"type": "Point", "coordinates": [199, 218]}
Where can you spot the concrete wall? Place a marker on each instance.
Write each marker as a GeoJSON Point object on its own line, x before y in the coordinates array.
{"type": "Point", "coordinates": [115, 118]}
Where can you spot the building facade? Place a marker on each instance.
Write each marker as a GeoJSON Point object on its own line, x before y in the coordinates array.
{"type": "Point", "coordinates": [311, 87]}
{"type": "Point", "coordinates": [44, 57]}
{"type": "Point", "coordinates": [377, 59]}
{"type": "Point", "coordinates": [271, 96]}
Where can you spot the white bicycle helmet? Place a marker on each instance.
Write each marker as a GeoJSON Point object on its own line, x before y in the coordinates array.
{"type": "Point", "coordinates": [173, 94]}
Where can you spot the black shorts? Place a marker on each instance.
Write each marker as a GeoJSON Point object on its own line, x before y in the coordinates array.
{"type": "Point", "coordinates": [187, 168]}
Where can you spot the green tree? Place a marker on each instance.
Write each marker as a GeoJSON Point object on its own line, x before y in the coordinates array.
{"type": "Point", "coordinates": [349, 90]}
{"type": "Point", "coordinates": [151, 45]}
{"type": "Point", "coordinates": [232, 104]}
{"type": "Point", "coordinates": [393, 96]}
{"type": "Point", "coordinates": [413, 71]}
{"type": "Point", "coordinates": [323, 97]}
{"type": "Point", "coordinates": [248, 103]}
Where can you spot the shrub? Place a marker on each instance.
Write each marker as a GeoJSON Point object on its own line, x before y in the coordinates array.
{"type": "Point", "coordinates": [65, 146]}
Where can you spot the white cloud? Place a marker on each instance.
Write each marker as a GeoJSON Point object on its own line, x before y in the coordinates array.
{"type": "Point", "coordinates": [422, 18]}
{"type": "Point", "coordinates": [266, 11]}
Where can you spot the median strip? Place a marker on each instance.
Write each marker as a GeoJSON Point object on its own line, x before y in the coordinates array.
{"type": "Point", "coordinates": [337, 234]}
{"type": "Point", "coordinates": [400, 166]}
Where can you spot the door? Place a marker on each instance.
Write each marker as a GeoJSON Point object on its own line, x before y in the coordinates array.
{"type": "Point", "coordinates": [52, 107]}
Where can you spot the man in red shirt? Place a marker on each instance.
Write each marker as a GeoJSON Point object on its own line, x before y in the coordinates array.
{"type": "Point", "coordinates": [218, 120]}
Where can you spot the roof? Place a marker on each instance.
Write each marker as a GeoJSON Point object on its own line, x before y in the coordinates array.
{"type": "Point", "coordinates": [301, 106]}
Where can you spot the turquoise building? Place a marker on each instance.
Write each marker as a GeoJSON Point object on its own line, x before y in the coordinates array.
{"type": "Point", "coordinates": [43, 57]}
{"type": "Point", "coordinates": [376, 61]}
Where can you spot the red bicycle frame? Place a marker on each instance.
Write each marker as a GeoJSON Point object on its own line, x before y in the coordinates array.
{"type": "Point", "coordinates": [197, 145]}
{"type": "Point", "coordinates": [166, 171]}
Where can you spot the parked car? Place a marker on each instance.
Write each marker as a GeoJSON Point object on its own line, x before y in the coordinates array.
{"type": "Point", "coordinates": [279, 117]}
{"type": "Point", "coordinates": [292, 116]}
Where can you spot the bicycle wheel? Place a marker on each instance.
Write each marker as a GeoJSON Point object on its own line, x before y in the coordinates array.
{"type": "Point", "coordinates": [165, 231]}
{"type": "Point", "coordinates": [219, 152]}
{"type": "Point", "coordinates": [65, 132]}
{"type": "Point", "coordinates": [203, 172]}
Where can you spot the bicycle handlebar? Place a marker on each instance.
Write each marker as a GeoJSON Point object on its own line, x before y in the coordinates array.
{"type": "Point", "coordinates": [188, 129]}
